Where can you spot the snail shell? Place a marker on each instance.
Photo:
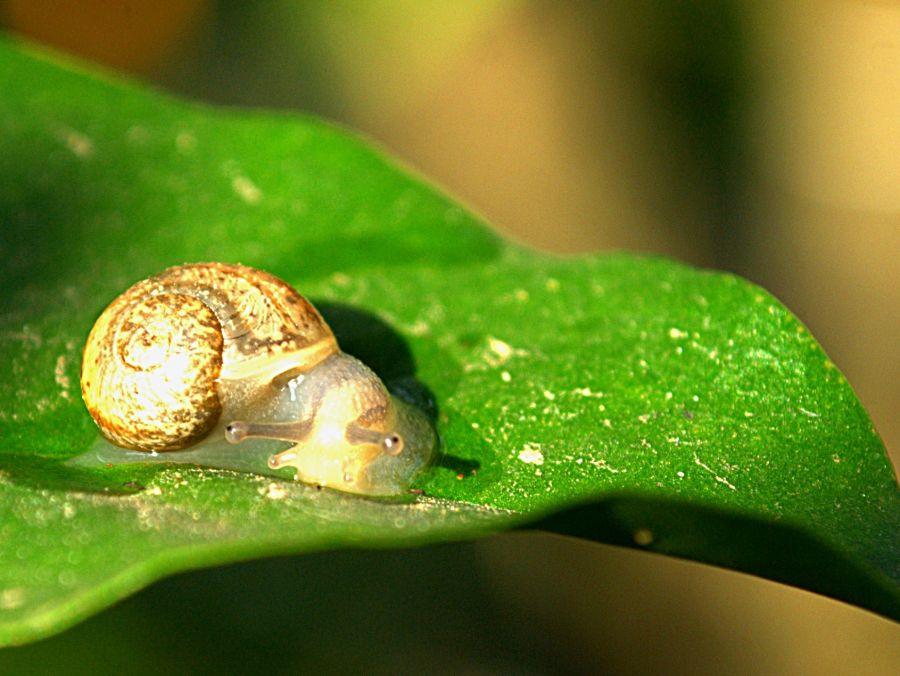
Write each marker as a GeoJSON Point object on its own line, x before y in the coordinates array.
{"type": "Point", "coordinates": [209, 353]}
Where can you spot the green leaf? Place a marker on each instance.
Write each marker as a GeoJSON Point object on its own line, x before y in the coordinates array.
{"type": "Point", "coordinates": [620, 398]}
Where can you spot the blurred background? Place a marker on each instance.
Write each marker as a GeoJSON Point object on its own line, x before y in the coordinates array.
{"type": "Point", "coordinates": [760, 137]}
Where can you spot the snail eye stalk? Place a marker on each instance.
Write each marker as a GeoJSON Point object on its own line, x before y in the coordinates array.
{"type": "Point", "coordinates": [239, 430]}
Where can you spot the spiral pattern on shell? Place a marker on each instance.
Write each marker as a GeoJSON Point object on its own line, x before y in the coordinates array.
{"type": "Point", "coordinates": [155, 362]}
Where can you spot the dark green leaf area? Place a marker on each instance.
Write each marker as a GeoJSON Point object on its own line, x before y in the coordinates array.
{"type": "Point", "coordinates": [620, 398]}
{"type": "Point", "coordinates": [131, 181]}
{"type": "Point", "coordinates": [68, 552]}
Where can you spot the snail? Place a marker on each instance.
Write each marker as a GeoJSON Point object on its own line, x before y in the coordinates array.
{"type": "Point", "coordinates": [227, 366]}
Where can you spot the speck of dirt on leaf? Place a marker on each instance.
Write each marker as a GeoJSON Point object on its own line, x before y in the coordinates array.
{"type": "Point", "coordinates": [78, 144]}
{"type": "Point", "coordinates": [531, 454]}
{"type": "Point", "coordinates": [246, 189]}
{"type": "Point", "coordinates": [341, 279]}
{"type": "Point", "coordinates": [502, 349]}
{"type": "Point", "coordinates": [605, 466]}
{"type": "Point", "coordinates": [67, 578]}
{"type": "Point", "coordinates": [642, 537]}
{"type": "Point", "coordinates": [137, 134]}
{"type": "Point", "coordinates": [12, 598]}
{"type": "Point", "coordinates": [722, 480]}
{"type": "Point", "coordinates": [59, 374]}
{"type": "Point", "coordinates": [505, 377]}
{"type": "Point", "coordinates": [273, 491]}
{"type": "Point", "coordinates": [27, 336]}
{"type": "Point", "coordinates": [419, 328]}
{"type": "Point", "coordinates": [495, 353]}
{"type": "Point", "coordinates": [185, 142]}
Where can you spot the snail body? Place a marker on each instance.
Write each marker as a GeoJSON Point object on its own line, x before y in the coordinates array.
{"type": "Point", "coordinates": [227, 366]}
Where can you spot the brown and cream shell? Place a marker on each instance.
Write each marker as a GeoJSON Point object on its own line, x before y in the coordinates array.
{"type": "Point", "coordinates": [161, 359]}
